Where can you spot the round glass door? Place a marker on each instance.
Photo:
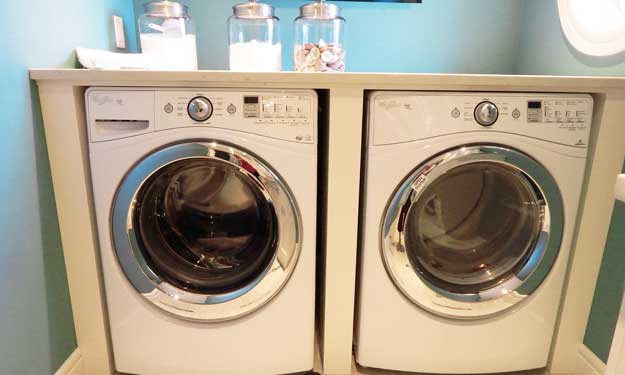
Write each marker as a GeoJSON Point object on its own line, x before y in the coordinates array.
{"type": "Point", "coordinates": [197, 228]}
{"type": "Point", "coordinates": [468, 229]}
{"type": "Point", "coordinates": [204, 226]}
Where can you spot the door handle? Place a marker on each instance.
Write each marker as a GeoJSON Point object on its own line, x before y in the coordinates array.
{"type": "Point", "coordinates": [619, 188]}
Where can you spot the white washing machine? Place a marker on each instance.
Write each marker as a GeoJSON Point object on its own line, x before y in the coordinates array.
{"type": "Point", "coordinates": [206, 211]}
{"type": "Point", "coordinates": [470, 206]}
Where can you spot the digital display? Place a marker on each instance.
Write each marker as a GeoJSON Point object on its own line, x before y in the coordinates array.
{"type": "Point", "coordinates": [250, 99]}
{"type": "Point", "coordinates": [534, 105]}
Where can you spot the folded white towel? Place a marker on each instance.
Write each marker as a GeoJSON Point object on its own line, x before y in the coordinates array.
{"type": "Point", "coordinates": [102, 59]}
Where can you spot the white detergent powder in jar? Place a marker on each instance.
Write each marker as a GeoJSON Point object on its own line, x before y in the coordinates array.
{"type": "Point", "coordinates": [167, 36]}
{"type": "Point", "coordinates": [256, 56]}
{"type": "Point", "coordinates": [170, 53]}
{"type": "Point", "coordinates": [254, 38]}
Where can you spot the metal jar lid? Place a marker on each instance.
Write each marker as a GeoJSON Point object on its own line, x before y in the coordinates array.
{"type": "Point", "coordinates": [320, 10]}
{"type": "Point", "coordinates": [253, 10]}
{"type": "Point", "coordinates": [166, 9]}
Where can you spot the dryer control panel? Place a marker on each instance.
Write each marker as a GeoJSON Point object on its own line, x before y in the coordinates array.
{"type": "Point", "coordinates": [402, 117]}
{"type": "Point", "coordinates": [115, 113]}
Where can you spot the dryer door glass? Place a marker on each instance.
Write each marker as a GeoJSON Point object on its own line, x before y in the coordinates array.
{"type": "Point", "coordinates": [472, 231]}
{"type": "Point", "coordinates": [204, 226]}
{"type": "Point", "coordinates": [473, 227]}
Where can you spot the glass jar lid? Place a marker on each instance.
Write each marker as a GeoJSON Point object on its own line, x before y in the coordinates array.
{"type": "Point", "coordinates": [320, 10]}
{"type": "Point", "coordinates": [166, 9]}
{"type": "Point", "coordinates": [253, 10]}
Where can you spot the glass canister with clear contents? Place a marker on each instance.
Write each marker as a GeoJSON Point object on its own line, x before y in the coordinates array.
{"type": "Point", "coordinates": [318, 43]}
{"type": "Point", "coordinates": [254, 36]}
{"type": "Point", "coordinates": [167, 33]}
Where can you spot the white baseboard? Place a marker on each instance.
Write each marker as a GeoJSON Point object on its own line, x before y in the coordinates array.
{"type": "Point", "coordinates": [72, 365]}
{"type": "Point", "coordinates": [588, 363]}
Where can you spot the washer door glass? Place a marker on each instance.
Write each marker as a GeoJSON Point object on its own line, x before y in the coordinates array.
{"type": "Point", "coordinates": [205, 230]}
{"type": "Point", "coordinates": [473, 227]}
{"type": "Point", "coordinates": [204, 226]}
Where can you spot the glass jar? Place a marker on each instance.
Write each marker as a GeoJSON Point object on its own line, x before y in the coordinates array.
{"type": "Point", "coordinates": [254, 38]}
{"type": "Point", "coordinates": [167, 33]}
{"type": "Point", "coordinates": [318, 43]}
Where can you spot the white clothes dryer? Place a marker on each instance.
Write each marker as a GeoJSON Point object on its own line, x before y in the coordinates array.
{"type": "Point", "coordinates": [206, 213]}
{"type": "Point", "coordinates": [469, 210]}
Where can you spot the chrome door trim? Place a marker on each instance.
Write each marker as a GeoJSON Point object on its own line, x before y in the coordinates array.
{"type": "Point", "coordinates": [508, 293]}
{"type": "Point", "coordinates": [207, 307]}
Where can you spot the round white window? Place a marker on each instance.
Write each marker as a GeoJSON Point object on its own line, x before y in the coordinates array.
{"type": "Point", "coordinates": [596, 27]}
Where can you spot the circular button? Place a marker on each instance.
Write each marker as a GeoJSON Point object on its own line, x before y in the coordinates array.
{"type": "Point", "coordinates": [200, 109]}
{"type": "Point", "coordinates": [455, 113]}
{"type": "Point", "coordinates": [486, 113]}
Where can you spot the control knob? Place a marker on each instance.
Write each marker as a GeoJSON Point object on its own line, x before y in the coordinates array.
{"type": "Point", "coordinates": [486, 113]}
{"type": "Point", "coordinates": [200, 109]}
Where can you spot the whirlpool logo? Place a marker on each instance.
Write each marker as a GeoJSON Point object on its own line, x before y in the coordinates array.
{"type": "Point", "coordinates": [107, 99]}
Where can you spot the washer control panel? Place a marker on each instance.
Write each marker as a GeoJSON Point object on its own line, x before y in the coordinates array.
{"type": "Point", "coordinates": [559, 118]}
{"type": "Point", "coordinates": [284, 115]}
{"type": "Point", "coordinates": [289, 115]}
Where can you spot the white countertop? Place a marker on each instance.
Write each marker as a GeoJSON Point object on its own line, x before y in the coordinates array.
{"type": "Point", "coordinates": [329, 80]}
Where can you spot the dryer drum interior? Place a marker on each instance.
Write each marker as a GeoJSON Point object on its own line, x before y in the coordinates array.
{"type": "Point", "coordinates": [205, 231]}
{"type": "Point", "coordinates": [478, 227]}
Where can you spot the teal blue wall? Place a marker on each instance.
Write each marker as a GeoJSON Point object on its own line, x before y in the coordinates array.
{"type": "Point", "coordinates": [36, 326]}
{"type": "Point", "coordinates": [446, 36]}
{"type": "Point", "coordinates": [545, 50]}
